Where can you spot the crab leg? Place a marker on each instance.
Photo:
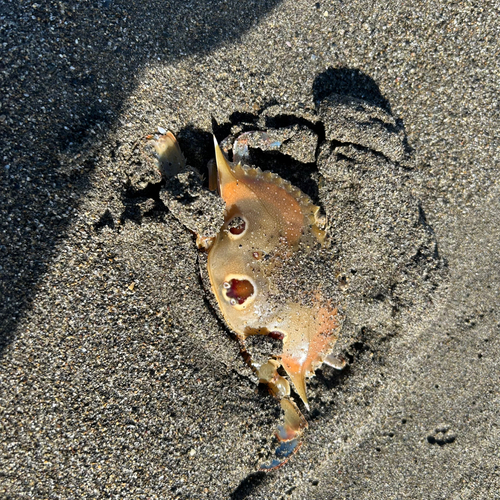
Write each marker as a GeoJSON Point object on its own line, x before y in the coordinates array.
{"type": "Point", "coordinates": [289, 432]}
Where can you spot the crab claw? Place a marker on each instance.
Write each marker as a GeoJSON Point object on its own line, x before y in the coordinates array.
{"type": "Point", "coordinates": [295, 423]}
{"type": "Point", "coordinates": [279, 387]}
{"type": "Point", "coordinates": [288, 435]}
{"type": "Point", "coordinates": [289, 432]}
{"type": "Point", "coordinates": [282, 453]}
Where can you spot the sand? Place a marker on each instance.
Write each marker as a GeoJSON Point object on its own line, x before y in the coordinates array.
{"type": "Point", "coordinates": [117, 379]}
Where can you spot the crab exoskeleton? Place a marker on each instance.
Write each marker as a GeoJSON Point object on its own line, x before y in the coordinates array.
{"type": "Point", "coordinates": [266, 278]}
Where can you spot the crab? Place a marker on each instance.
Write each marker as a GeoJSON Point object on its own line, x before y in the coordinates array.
{"type": "Point", "coordinates": [265, 275]}
{"type": "Point", "coordinates": [281, 275]}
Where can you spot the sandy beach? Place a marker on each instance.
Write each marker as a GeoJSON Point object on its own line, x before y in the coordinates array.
{"type": "Point", "coordinates": [117, 378]}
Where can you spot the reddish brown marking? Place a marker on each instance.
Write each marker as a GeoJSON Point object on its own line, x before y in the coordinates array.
{"type": "Point", "coordinates": [276, 335]}
{"type": "Point", "coordinates": [237, 225]}
{"type": "Point", "coordinates": [240, 290]}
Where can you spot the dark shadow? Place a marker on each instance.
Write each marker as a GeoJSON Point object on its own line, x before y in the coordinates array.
{"type": "Point", "coordinates": [331, 378]}
{"type": "Point", "coordinates": [197, 146]}
{"type": "Point", "coordinates": [349, 82]}
{"type": "Point", "coordinates": [248, 485]}
{"type": "Point", "coordinates": [300, 174]}
{"type": "Point", "coordinates": [106, 220]}
{"type": "Point", "coordinates": [66, 69]}
{"type": "Point", "coordinates": [354, 83]}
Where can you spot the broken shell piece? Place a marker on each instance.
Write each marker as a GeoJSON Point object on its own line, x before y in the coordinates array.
{"type": "Point", "coordinates": [297, 141]}
{"type": "Point", "coordinates": [336, 362]}
{"type": "Point", "coordinates": [198, 209]}
{"type": "Point", "coordinates": [258, 265]}
{"type": "Point", "coordinates": [267, 223]}
{"type": "Point", "coordinates": [170, 160]}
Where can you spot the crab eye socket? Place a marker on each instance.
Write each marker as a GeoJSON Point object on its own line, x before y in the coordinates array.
{"type": "Point", "coordinates": [238, 291]}
{"type": "Point", "coordinates": [237, 226]}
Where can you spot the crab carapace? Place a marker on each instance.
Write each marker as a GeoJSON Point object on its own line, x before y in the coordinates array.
{"type": "Point", "coordinates": [270, 228]}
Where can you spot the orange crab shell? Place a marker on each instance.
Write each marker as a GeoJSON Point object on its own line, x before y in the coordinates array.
{"type": "Point", "coordinates": [266, 216]}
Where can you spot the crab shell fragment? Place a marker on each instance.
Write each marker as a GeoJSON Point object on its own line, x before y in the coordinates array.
{"type": "Point", "coordinates": [270, 229]}
{"type": "Point", "coordinates": [266, 221]}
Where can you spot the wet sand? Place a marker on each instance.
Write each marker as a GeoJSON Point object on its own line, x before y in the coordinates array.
{"type": "Point", "coordinates": [117, 379]}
